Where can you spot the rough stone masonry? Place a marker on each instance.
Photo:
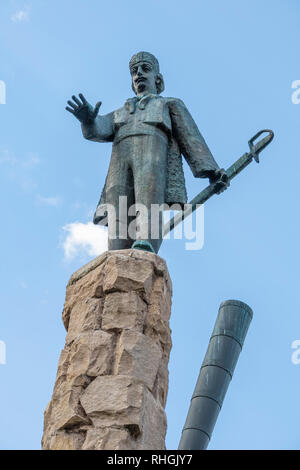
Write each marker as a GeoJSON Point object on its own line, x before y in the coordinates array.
{"type": "Point", "coordinates": [112, 379]}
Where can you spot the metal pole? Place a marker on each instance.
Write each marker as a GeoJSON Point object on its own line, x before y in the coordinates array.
{"type": "Point", "coordinates": [222, 354]}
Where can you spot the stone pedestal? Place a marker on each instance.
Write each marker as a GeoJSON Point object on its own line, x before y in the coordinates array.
{"type": "Point", "coordinates": [112, 379]}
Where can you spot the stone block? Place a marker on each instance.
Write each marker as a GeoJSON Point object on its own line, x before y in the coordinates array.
{"type": "Point", "coordinates": [137, 356]}
{"type": "Point", "coordinates": [123, 310]}
{"type": "Point", "coordinates": [67, 441]}
{"type": "Point", "coordinates": [125, 274]}
{"type": "Point", "coordinates": [67, 411]}
{"type": "Point", "coordinates": [113, 400]}
{"type": "Point", "coordinates": [154, 424]}
{"type": "Point", "coordinates": [109, 439]}
{"type": "Point", "coordinates": [85, 315]}
{"type": "Point", "coordinates": [91, 354]}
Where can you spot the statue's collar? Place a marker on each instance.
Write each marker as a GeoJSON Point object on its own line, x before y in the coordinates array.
{"type": "Point", "coordinates": [140, 101]}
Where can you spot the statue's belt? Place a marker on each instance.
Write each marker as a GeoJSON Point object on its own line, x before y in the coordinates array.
{"type": "Point", "coordinates": [146, 129]}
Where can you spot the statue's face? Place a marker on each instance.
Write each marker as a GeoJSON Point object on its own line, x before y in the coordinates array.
{"type": "Point", "coordinates": [143, 78]}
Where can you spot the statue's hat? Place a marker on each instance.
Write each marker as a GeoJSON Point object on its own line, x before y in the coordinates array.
{"type": "Point", "coordinates": [144, 57]}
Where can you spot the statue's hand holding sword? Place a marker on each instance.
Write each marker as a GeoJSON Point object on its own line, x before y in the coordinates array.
{"type": "Point", "coordinates": [220, 180]}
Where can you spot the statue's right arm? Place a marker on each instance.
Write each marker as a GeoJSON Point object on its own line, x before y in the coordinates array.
{"type": "Point", "coordinates": [101, 130]}
{"type": "Point", "coordinates": [94, 127]}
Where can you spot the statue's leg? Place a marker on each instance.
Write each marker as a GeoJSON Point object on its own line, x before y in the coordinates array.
{"type": "Point", "coordinates": [118, 244]}
{"type": "Point", "coordinates": [150, 174]}
{"type": "Point", "coordinates": [119, 197]}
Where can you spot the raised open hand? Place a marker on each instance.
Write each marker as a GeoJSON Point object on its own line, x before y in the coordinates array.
{"type": "Point", "coordinates": [83, 110]}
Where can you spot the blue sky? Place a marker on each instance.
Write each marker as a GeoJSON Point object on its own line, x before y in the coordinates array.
{"type": "Point", "coordinates": [233, 64]}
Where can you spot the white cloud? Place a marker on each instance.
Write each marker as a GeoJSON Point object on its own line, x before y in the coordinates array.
{"type": "Point", "coordinates": [32, 160]}
{"type": "Point", "coordinates": [82, 239]}
{"type": "Point", "coordinates": [53, 201]}
{"type": "Point", "coordinates": [20, 16]}
{"type": "Point", "coordinates": [27, 183]}
{"type": "Point", "coordinates": [7, 157]}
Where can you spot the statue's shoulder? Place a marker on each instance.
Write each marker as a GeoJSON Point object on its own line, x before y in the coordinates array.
{"type": "Point", "coordinates": [116, 111]}
{"type": "Point", "coordinates": [176, 102]}
{"type": "Point", "coordinates": [172, 99]}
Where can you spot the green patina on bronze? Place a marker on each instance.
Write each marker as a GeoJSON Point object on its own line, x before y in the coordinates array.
{"type": "Point", "coordinates": [150, 133]}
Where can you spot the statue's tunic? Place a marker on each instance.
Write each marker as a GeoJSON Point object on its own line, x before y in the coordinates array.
{"type": "Point", "coordinates": [149, 136]}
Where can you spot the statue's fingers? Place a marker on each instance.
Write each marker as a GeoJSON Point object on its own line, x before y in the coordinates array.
{"type": "Point", "coordinates": [72, 104]}
{"type": "Point", "coordinates": [70, 110]}
{"type": "Point", "coordinates": [224, 187]}
{"type": "Point", "coordinates": [82, 98]}
{"type": "Point", "coordinates": [74, 98]}
{"type": "Point", "coordinates": [221, 172]}
{"type": "Point", "coordinates": [97, 107]}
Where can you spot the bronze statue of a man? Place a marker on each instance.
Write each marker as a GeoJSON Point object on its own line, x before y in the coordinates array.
{"type": "Point", "coordinates": [150, 133]}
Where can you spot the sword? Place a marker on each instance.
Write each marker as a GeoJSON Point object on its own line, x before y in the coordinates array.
{"type": "Point", "coordinates": [231, 173]}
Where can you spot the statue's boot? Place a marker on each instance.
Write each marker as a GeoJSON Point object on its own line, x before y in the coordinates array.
{"type": "Point", "coordinates": [143, 245]}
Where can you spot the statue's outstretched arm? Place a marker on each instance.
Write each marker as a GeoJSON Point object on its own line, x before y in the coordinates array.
{"type": "Point", "coordinates": [94, 127]}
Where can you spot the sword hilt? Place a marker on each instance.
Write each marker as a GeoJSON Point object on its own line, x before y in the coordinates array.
{"type": "Point", "coordinates": [259, 146]}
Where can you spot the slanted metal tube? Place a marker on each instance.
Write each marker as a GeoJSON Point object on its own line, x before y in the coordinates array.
{"type": "Point", "coordinates": [223, 351]}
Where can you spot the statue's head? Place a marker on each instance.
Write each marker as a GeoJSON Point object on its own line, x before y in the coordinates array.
{"type": "Point", "coordinates": [144, 69]}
